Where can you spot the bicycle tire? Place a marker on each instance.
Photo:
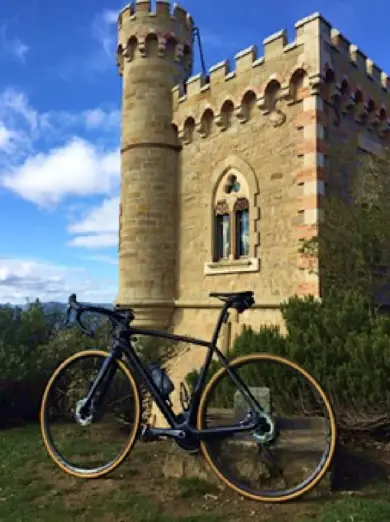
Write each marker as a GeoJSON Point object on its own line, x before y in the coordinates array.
{"type": "Point", "coordinates": [50, 447]}
{"type": "Point", "coordinates": [206, 447]}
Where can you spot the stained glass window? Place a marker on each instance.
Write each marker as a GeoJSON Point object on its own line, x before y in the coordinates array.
{"type": "Point", "coordinates": [223, 231]}
{"type": "Point", "coordinates": [242, 228]}
{"type": "Point", "coordinates": [243, 233]}
{"type": "Point", "coordinates": [232, 185]}
{"type": "Point", "coordinates": [224, 236]}
{"type": "Point", "coordinates": [232, 222]}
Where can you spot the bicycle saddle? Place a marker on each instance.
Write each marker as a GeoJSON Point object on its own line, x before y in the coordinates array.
{"type": "Point", "coordinates": [240, 301]}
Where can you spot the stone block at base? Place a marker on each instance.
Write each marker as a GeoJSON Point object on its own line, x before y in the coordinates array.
{"type": "Point", "coordinates": [261, 394]}
{"type": "Point", "coordinates": [178, 464]}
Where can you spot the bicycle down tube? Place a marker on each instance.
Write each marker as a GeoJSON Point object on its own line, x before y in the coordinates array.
{"type": "Point", "coordinates": [122, 344]}
{"type": "Point", "coordinates": [189, 424]}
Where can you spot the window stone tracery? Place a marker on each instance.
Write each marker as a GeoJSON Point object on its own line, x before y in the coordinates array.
{"type": "Point", "coordinates": [235, 214]}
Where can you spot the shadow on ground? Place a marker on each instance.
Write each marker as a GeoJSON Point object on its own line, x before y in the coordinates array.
{"type": "Point", "coordinates": [357, 469]}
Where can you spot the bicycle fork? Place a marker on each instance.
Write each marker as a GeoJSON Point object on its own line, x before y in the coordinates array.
{"type": "Point", "coordinates": [86, 408]}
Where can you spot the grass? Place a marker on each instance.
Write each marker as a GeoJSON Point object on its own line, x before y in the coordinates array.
{"type": "Point", "coordinates": [32, 488]}
{"type": "Point", "coordinates": [354, 510]}
{"type": "Point", "coordinates": [194, 487]}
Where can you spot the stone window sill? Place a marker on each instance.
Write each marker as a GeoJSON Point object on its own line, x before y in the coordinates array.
{"type": "Point", "coordinates": [232, 266]}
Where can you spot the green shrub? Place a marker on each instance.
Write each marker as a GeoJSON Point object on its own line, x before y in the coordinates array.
{"type": "Point", "coordinates": [268, 338]}
{"type": "Point", "coordinates": [341, 341]}
{"type": "Point", "coordinates": [33, 343]}
{"type": "Point", "coordinates": [31, 346]}
{"type": "Point", "coordinates": [346, 346]}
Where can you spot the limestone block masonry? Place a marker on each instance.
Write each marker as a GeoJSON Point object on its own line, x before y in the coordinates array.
{"type": "Point", "coordinates": [248, 147]}
{"type": "Point", "coordinates": [154, 54]}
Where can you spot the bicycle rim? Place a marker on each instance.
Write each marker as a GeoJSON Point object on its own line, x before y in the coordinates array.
{"type": "Point", "coordinates": [299, 454]}
{"type": "Point", "coordinates": [80, 445]}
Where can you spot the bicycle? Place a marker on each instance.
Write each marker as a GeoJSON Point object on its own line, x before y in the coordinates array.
{"type": "Point", "coordinates": [259, 476]}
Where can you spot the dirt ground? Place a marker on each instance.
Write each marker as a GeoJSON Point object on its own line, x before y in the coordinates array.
{"type": "Point", "coordinates": [32, 488]}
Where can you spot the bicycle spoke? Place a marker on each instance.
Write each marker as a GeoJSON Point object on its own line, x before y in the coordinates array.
{"type": "Point", "coordinates": [89, 442]}
{"type": "Point", "coordinates": [293, 449]}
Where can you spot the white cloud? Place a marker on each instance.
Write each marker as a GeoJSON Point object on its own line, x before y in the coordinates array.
{"type": "Point", "coordinates": [78, 168]}
{"type": "Point", "coordinates": [110, 16]}
{"type": "Point", "coordinates": [99, 227]}
{"type": "Point", "coordinates": [98, 118]}
{"type": "Point", "coordinates": [104, 31]}
{"type": "Point", "coordinates": [95, 241]}
{"type": "Point", "coordinates": [19, 49]}
{"type": "Point", "coordinates": [22, 279]}
{"type": "Point", "coordinates": [101, 258]}
{"type": "Point", "coordinates": [72, 167]}
{"type": "Point", "coordinates": [13, 46]}
{"type": "Point", "coordinates": [14, 104]}
{"type": "Point", "coordinates": [7, 138]}
{"type": "Point", "coordinates": [57, 122]}
{"type": "Point", "coordinates": [100, 219]}
{"type": "Point", "coordinates": [17, 112]}
{"type": "Point", "coordinates": [100, 56]}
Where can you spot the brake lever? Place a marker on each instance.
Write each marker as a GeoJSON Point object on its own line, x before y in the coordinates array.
{"type": "Point", "coordinates": [83, 328]}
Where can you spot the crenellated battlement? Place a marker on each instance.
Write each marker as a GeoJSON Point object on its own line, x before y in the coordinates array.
{"type": "Point", "coordinates": [277, 45]}
{"type": "Point", "coordinates": [320, 60]}
{"type": "Point", "coordinates": [165, 31]}
{"type": "Point", "coordinates": [246, 60]}
{"type": "Point", "coordinates": [143, 8]}
{"type": "Point", "coordinates": [352, 53]}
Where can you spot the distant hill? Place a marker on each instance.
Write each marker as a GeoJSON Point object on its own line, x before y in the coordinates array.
{"type": "Point", "coordinates": [56, 305]}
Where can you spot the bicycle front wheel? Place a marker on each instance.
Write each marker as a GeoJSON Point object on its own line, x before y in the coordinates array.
{"type": "Point", "coordinates": [94, 443]}
{"type": "Point", "coordinates": [269, 465]}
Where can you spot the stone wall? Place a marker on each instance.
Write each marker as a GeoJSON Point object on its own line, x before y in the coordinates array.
{"type": "Point", "coordinates": [258, 122]}
{"type": "Point", "coordinates": [154, 53]}
{"type": "Point", "coordinates": [271, 122]}
{"type": "Point", "coordinates": [251, 120]}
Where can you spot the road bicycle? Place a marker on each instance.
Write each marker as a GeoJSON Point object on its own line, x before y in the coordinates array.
{"type": "Point", "coordinates": [264, 447]}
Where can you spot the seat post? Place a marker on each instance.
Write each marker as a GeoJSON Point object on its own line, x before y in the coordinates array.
{"type": "Point", "coordinates": [223, 316]}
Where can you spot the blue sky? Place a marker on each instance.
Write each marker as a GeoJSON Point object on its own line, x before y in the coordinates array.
{"type": "Point", "coordinates": [60, 127]}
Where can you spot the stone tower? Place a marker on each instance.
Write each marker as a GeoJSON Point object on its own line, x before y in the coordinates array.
{"type": "Point", "coordinates": [223, 179]}
{"type": "Point", "coordinates": [154, 55]}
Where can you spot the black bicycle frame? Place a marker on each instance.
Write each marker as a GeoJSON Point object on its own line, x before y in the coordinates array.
{"type": "Point", "coordinates": [178, 424]}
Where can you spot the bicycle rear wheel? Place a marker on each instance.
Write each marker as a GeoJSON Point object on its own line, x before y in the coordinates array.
{"type": "Point", "coordinates": [87, 444]}
{"type": "Point", "coordinates": [299, 453]}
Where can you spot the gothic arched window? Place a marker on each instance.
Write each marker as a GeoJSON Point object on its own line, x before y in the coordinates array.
{"type": "Point", "coordinates": [231, 216]}
{"type": "Point", "coordinates": [234, 238]}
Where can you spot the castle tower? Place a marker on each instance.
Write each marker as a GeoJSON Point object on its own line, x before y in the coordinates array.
{"type": "Point", "coordinates": [154, 55]}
